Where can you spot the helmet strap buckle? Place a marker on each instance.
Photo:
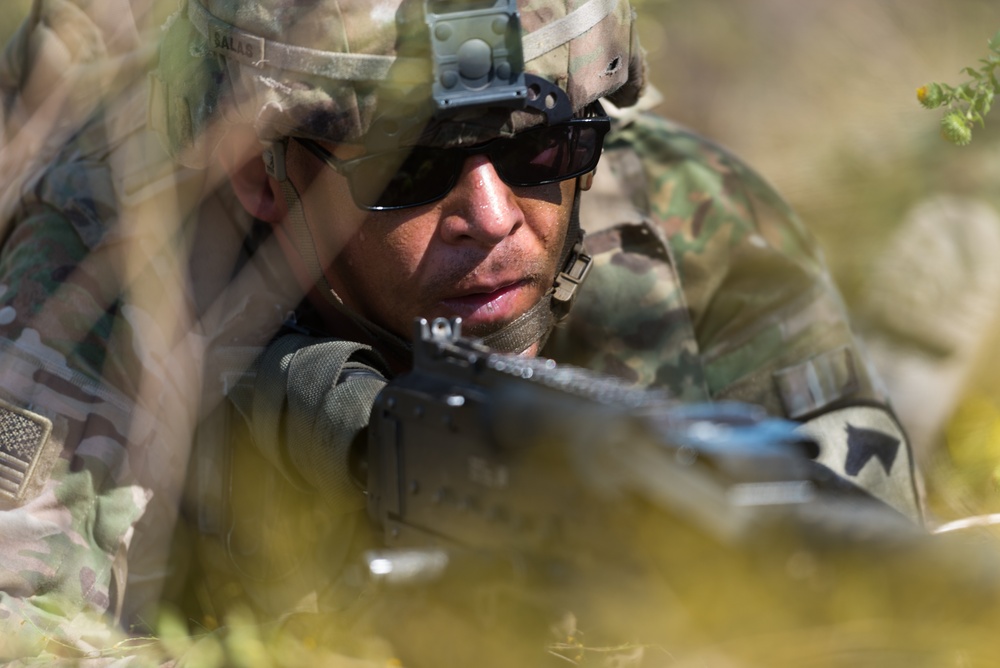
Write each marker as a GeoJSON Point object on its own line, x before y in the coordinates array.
{"type": "Point", "coordinates": [573, 274]}
{"type": "Point", "coordinates": [274, 160]}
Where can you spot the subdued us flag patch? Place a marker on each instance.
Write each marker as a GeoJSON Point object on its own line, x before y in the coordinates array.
{"type": "Point", "coordinates": [24, 458]}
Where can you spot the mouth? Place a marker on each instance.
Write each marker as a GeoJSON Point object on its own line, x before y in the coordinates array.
{"type": "Point", "coordinates": [489, 306]}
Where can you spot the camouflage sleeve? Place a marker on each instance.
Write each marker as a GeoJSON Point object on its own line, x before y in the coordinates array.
{"type": "Point", "coordinates": [770, 323]}
{"type": "Point", "coordinates": [69, 499]}
{"type": "Point", "coordinates": [759, 296]}
{"type": "Point", "coordinates": [704, 281]}
{"type": "Point", "coordinates": [714, 289]}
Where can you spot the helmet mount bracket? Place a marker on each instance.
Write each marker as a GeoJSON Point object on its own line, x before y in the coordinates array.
{"type": "Point", "coordinates": [547, 98]}
{"type": "Point", "coordinates": [477, 54]}
{"type": "Point", "coordinates": [478, 60]}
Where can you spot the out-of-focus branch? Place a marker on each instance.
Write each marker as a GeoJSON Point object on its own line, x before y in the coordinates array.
{"type": "Point", "coordinates": [968, 103]}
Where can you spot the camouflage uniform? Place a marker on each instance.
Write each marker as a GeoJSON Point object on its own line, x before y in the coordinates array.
{"type": "Point", "coordinates": [123, 277]}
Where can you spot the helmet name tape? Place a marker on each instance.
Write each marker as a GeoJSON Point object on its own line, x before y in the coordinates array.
{"type": "Point", "coordinates": [249, 47]}
{"type": "Point", "coordinates": [231, 42]}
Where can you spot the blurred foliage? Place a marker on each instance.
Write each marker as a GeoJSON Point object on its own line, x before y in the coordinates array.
{"type": "Point", "coordinates": [819, 97]}
{"type": "Point", "coordinates": [14, 11]}
{"type": "Point", "coordinates": [967, 103]}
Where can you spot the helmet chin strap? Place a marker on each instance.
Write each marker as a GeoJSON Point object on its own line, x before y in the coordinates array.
{"type": "Point", "coordinates": [534, 326]}
{"type": "Point", "coordinates": [536, 323]}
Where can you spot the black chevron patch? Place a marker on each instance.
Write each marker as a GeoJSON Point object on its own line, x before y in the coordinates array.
{"type": "Point", "coordinates": [863, 444]}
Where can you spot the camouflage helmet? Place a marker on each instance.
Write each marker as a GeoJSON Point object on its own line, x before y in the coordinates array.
{"type": "Point", "coordinates": [336, 69]}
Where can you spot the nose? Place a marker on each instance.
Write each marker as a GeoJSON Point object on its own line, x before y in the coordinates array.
{"type": "Point", "coordinates": [481, 208]}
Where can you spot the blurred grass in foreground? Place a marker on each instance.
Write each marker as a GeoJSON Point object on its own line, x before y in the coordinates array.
{"type": "Point", "coordinates": [13, 13]}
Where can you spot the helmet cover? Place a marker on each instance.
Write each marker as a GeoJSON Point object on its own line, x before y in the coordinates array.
{"type": "Point", "coordinates": [334, 69]}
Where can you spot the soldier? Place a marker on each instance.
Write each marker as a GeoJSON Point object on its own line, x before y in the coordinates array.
{"type": "Point", "coordinates": [333, 171]}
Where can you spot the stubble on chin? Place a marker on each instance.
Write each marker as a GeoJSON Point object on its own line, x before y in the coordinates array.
{"type": "Point", "coordinates": [394, 301]}
{"type": "Point", "coordinates": [536, 272]}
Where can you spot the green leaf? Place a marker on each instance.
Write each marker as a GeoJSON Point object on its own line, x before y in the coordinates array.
{"type": "Point", "coordinates": [995, 42]}
{"type": "Point", "coordinates": [969, 102]}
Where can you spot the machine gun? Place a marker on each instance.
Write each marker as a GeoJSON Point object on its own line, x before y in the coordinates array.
{"type": "Point", "coordinates": [485, 452]}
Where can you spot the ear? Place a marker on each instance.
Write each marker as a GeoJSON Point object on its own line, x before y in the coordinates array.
{"type": "Point", "coordinates": [254, 188]}
{"type": "Point", "coordinates": [586, 181]}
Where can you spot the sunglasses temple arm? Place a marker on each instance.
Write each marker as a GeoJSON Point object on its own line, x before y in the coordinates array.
{"type": "Point", "coordinates": [321, 153]}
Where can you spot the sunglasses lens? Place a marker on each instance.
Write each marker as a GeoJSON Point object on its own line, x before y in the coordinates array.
{"type": "Point", "coordinates": [549, 154]}
{"type": "Point", "coordinates": [402, 178]}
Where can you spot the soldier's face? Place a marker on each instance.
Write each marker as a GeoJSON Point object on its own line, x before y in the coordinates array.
{"type": "Point", "coordinates": [486, 252]}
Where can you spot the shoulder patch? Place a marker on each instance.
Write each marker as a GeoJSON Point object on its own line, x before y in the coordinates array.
{"type": "Point", "coordinates": [865, 445]}
{"type": "Point", "coordinates": [26, 454]}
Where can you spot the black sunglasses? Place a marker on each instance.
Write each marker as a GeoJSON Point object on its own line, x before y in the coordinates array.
{"type": "Point", "coordinates": [418, 175]}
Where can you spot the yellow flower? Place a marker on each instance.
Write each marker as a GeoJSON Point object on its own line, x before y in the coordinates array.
{"type": "Point", "coordinates": [931, 96]}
